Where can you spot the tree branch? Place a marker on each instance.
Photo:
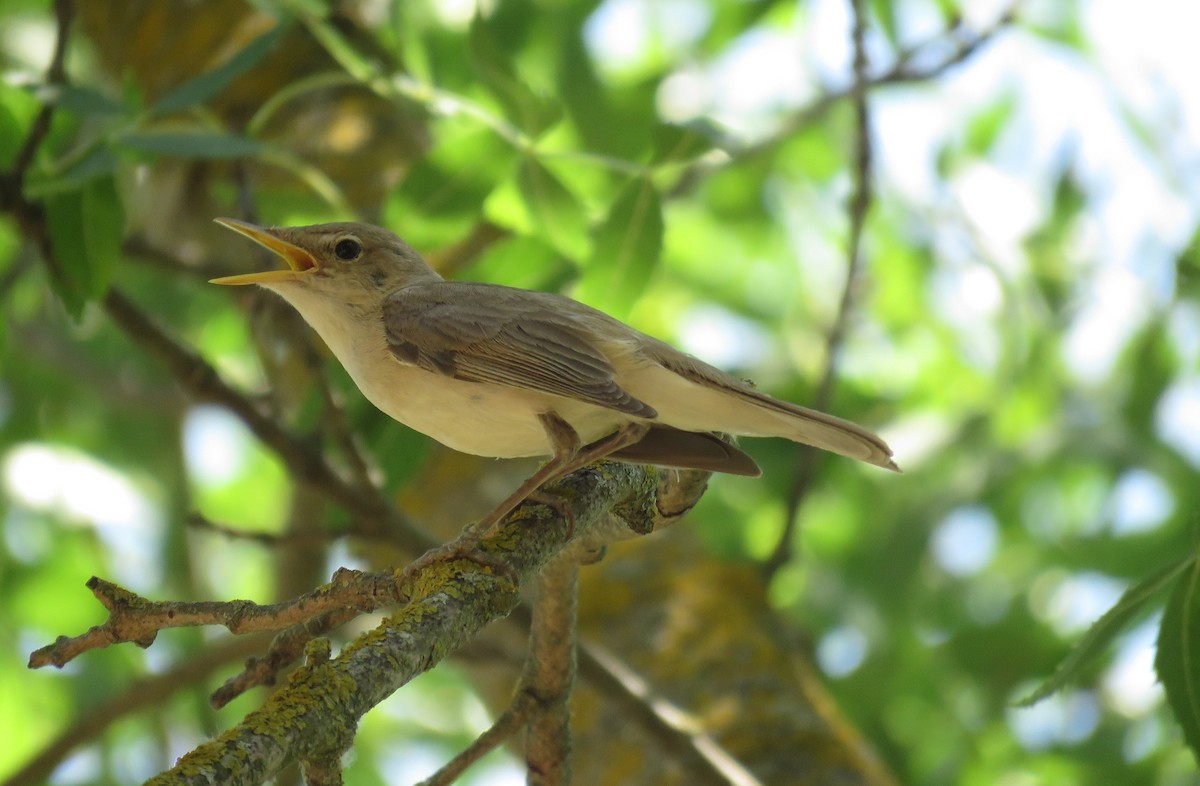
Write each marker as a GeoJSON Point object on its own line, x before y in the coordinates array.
{"type": "Point", "coordinates": [203, 383]}
{"type": "Point", "coordinates": [136, 619]}
{"type": "Point", "coordinates": [964, 43]}
{"type": "Point", "coordinates": [64, 12]}
{"type": "Point", "coordinates": [809, 459]}
{"type": "Point", "coordinates": [325, 701]}
{"type": "Point", "coordinates": [550, 672]}
{"type": "Point", "coordinates": [149, 691]}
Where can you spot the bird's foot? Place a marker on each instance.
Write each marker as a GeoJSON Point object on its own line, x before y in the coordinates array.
{"type": "Point", "coordinates": [466, 546]}
{"type": "Point", "coordinates": [560, 504]}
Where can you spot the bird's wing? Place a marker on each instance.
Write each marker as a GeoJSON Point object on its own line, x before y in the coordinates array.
{"type": "Point", "coordinates": [503, 336]}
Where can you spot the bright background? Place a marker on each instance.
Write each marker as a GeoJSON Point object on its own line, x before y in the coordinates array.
{"type": "Point", "coordinates": [1026, 334]}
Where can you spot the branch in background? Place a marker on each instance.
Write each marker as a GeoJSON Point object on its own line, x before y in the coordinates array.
{"type": "Point", "coordinates": [541, 698]}
{"type": "Point", "coordinates": [449, 260]}
{"type": "Point", "coordinates": [138, 249]}
{"type": "Point", "coordinates": [679, 734]}
{"type": "Point", "coordinates": [203, 383]}
{"type": "Point", "coordinates": [550, 672]}
{"type": "Point", "coordinates": [147, 692]}
{"type": "Point", "coordinates": [334, 422]}
{"type": "Point", "coordinates": [336, 426]}
{"type": "Point", "coordinates": [508, 724]}
{"type": "Point", "coordinates": [30, 217]}
{"type": "Point", "coordinates": [202, 523]}
{"type": "Point", "coordinates": [860, 203]}
{"type": "Point", "coordinates": [964, 44]}
{"type": "Point", "coordinates": [64, 12]}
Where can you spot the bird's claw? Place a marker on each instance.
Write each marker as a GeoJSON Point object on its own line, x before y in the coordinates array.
{"type": "Point", "coordinates": [465, 547]}
{"type": "Point", "coordinates": [560, 504]}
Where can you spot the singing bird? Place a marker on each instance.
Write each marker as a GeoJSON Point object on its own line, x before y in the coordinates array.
{"type": "Point", "coordinates": [504, 372]}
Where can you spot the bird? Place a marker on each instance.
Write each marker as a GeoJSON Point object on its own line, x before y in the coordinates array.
{"type": "Point", "coordinates": [504, 372]}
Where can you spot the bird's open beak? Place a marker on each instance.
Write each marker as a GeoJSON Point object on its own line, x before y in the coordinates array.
{"type": "Point", "coordinates": [299, 261]}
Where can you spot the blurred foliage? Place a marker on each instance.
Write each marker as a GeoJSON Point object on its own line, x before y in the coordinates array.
{"type": "Point", "coordinates": [1038, 381]}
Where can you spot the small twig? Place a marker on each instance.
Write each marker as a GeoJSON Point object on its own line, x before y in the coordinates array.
{"type": "Point", "coordinates": [337, 427]}
{"type": "Point", "coordinates": [138, 249]}
{"type": "Point", "coordinates": [201, 522]}
{"type": "Point", "coordinates": [263, 670]}
{"type": "Point", "coordinates": [64, 12]}
{"type": "Point", "coordinates": [965, 45]}
{"type": "Point", "coordinates": [137, 619]}
{"type": "Point", "coordinates": [149, 691]}
{"type": "Point", "coordinates": [702, 758]}
{"type": "Point", "coordinates": [323, 767]}
{"type": "Point", "coordinates": [860, 203]}
{"type": "Point", "coordinates": [21, 266]}
{"type": "Point", "coordinates": [451, 259]}
{"type": "Point", "coordinates": [202, 382]}
{"type": "Point", "coordinates": [509, 723]}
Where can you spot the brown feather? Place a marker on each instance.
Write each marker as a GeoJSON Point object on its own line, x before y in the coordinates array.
{"type": "Point", "coordinates": [664, 446]}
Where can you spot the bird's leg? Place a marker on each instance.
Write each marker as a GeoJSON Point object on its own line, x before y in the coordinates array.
{"type": "Point", "coordinates": [568, 456]}
{"type": "Point", "coordinates": [564, 441]}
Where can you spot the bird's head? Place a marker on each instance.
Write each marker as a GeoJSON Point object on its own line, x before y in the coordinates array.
{"type": "Point", "coordinates": [355, 264]}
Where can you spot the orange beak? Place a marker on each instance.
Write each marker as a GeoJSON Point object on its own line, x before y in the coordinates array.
{"type": "Point", "coordinates": [299, 261]}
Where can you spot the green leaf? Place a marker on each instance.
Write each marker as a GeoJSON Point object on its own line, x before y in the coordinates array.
{"type": "Point", "coordinates": [64, 219]}
{"type": "Point", "coordinates": [530, 112]}
{"type": "Point", "coordinates": [983, 129]}
{"type": "Point", "coordinates": [86, 226]}
{"type": "Point", "coordinates": [554, 211]}
{"type": "Point", "coordinates": [626, 249]}
{"type": "Point", "coordinates": [97, 162]}
{"type": "Point", "coordinates": [1107, 628]}
{"type": "Point", "coordinates": [80, 100]}
{"type": "Point", "coordinates": [1178, 660]}
{"type": "Point", "coordinates": [443, 194]}
{"type": "Point", "coordinates": [885, 12]}
{"type": "Point", "coordinates": [192, 144]}
{"type": "Point", "coordinates": [204, 86]}
{"type": "Point", "coordinates": [17, 109]}
{"type": "Point", "coordinates": [103, 227]}
{"type": "Point", "coordinates": [681, 143]}
{"type": "Point", "coordinates": [520, 261]}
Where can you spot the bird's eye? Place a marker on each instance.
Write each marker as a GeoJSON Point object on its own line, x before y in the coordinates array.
{"type": "Point", "coordinates": [348, 249]}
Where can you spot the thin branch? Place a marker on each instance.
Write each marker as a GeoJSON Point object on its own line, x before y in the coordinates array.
{"type": "Point", "coordinates": [20, 266]}
{"type": "Point", "coordinates": [336, 426]}
{"type": "Point", "coordinates": [149, 691]}
{"type": "Point", "coordinates": [509, 723]}
{"type": "Point", "coordinates": [132, 618]}
{"type": "Point", "coordinates": [703, 759]}
{"type": "Point", "coordinates": [451, 259]}
{"type": "Point", "coordinates": [262, 670]}
{"type": "Point", "coordinates": [138, 249]}
{"type": "Point", "coordinates": [323, 767]}
{"type": "Point", "coordinates": [203, 383]}
{"type": "Point", "coordinates": [64, 12]}
{"type": "Point", "coordinates": [30, 217]}
{"type": "Point", "coordinates": [808, 459]}
{"type": "Point", "coordinates": [198, 521]}
{"type": "Point", "coordinates": [964, 45]}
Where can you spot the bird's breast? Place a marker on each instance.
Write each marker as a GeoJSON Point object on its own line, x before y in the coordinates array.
{"type": "Point", "coordinates": [482, 419]}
